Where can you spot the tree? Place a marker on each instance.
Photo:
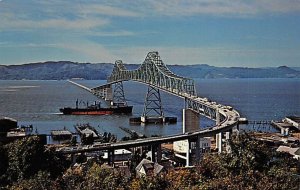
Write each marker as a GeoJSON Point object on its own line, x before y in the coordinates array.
{"type": "Point", "coordinates": [251, 164]}
{"type": "Point", "coordinates": [27, 156]}
{"type": "Point", "coordinates": [104, 178]}
{"type": "Point", "coordinates": [3, 164]}
{"type": "Point", "coordinates": [39, 181]}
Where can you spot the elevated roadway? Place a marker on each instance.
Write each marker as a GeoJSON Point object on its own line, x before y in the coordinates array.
{"type": "Point", "coordinates": [153, 72]}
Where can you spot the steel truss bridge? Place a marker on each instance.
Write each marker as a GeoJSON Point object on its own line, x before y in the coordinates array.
{"type": "Point", "coordinates": [153, 72]}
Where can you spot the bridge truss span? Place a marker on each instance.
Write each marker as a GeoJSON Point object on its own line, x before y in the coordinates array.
{"type": "Point", "coordinates": [155, 73]}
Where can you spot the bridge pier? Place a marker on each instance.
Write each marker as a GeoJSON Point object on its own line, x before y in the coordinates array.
{"type": "Point", "coordinates": [118, 95]}
{"type": "Point", "coordinates": [153, 111]}
{"type": "Point", "coordinates": [73, 158]}
{"type": "Point", "coordinates": [187, 164]}
{"type": "Point", "coordinates": [228, 135]}
{"type": "Point", "coordinates": [219, 142]}
{"type": "Point", "coordinates": [198, 153]}
{"type": "Point", "coordinates": [218, 118]}
{"type": "Point", "coordinates": [156, 148]}
{"type": "Point", "coordinates": [190, 120]}
{"type": "Point", "coordinates": [111, 157]}
{"type": "Point", "coordinates": [235, 129]}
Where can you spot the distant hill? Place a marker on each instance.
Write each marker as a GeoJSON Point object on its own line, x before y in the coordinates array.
{"type": "Point", "coordinates": [97, 71]}
{"type": "Point", "coordinates": [206, 71]}
{"type": "Point", "coordinates": [55, 71]}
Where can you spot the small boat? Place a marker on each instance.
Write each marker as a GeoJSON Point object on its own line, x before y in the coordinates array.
{"type": "Point", "coordinates": [96, 109]}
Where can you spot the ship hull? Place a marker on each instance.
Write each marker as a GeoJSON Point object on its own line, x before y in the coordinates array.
{"type": "Point", "coordinates": [98, 111]}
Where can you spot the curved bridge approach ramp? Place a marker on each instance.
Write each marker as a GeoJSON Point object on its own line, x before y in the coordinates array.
{"type": "Point", "coordinates": [154, 72]}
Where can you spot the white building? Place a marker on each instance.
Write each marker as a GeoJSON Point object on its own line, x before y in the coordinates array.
{"type": "Point", "coordinates": [119, 155]}
{"type": "Point", "coordinates": [182, 146]}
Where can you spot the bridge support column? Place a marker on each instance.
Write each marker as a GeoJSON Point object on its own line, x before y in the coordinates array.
{"type": "Point", "coordinates": [159, 155]}
{"type": "Point", "coordinates": [152, 106]}
{"type": "Point", "coordinates": [118, 94]}
{"type": "Point", "coordinates": [73, 158]}
{"type": "Point", "coordinates": [156, 153]}
{"type": "Point", "coordinates": [218, 119]}
{"type": "Point", "coordinates": [188, 154]}
{"type": "Point", "coordinates": [219, 142]}
{"type": "Point", "coordinates": [190, 120]}
{"type": "Point", "coordinates": [153, 147]}
{"type": "Point", "coordinates": [198, 153]}
{"type": "Point", "coordinates": [227, 137]}
{"type": "Point", "coordinates": [111, 157]}
{"type": "Point", "coordinates": [235, 129]}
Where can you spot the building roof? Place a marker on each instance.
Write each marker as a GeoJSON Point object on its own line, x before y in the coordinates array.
{"type": "Point", "coordinates": [140, 165]}
{"type": "Point", "coordinates": [149, 166]}
{"type": "Point", "coordinates": [292, 151]}
{"type": "Point", "coordinates": [157, 168]}
{"type": "Point", "coordinates": [60, 132]}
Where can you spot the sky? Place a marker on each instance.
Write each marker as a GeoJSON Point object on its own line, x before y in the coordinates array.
{"type": "Point", "coordinates": [227, 33]}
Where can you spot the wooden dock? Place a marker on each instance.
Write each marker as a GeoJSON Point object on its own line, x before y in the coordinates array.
{"type": "Point", "coordinates": [61, 134]}
{"type": "Point", "coordinates": [132, 132]}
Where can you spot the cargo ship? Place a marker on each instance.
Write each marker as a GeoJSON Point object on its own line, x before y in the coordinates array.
{"type": "Point", "coordinates": [96, 109]}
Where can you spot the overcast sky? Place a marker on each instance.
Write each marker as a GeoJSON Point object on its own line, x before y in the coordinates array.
{"type": "Point", "coordinates": [246, 33]}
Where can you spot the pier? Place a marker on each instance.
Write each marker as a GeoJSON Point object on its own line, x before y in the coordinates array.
{"type": "Point", "coordinates": [61, 134]}
{"type": "Point", "coordinates": [132, 132]}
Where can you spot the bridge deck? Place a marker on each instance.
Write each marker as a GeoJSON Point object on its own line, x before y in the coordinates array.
{"type": "Point", "coordinates": [153, 72]}
{"type": "Point", "coordinates": [230, 119]}
{"type": "Point", "coordinates": [80, 85]}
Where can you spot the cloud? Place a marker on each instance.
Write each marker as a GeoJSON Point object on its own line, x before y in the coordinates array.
{"type": "Point", "coordinates": [86, 51]}
{"type": "Point", "coordinates": [26, 45]}
{"type": "Point", "coordinates": [100, 9]}
{"type": "Point", "coordinates": [235, 8]}
{"type": "Point", "coordinates": [216, 56]}
{"type": "Point", "coordinates": [113, 33]}
{"type": "Point", "coordinates": [58, 14]}
{"type": "Point", "coordinates": [52, 23]}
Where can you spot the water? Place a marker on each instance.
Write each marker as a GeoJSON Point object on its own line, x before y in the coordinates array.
{"type": "Point", "coordinates": [38, 103]}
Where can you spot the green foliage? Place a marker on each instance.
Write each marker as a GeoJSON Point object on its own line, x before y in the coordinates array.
{"type": "Point", "coordinates": [150, 183]}
{"type": "Point", "coordinates": [250, 165]}
{"type": "Point", "coordinates": [3, 164]}
{"type": "Point", "coordinates": [24, 158]}
{"type": "Point", "coordinates": [39, 181]}
{"type": "Point", "coordinates": [103, 178]}
{"type": "Point", "coordinates": [94, 178]}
